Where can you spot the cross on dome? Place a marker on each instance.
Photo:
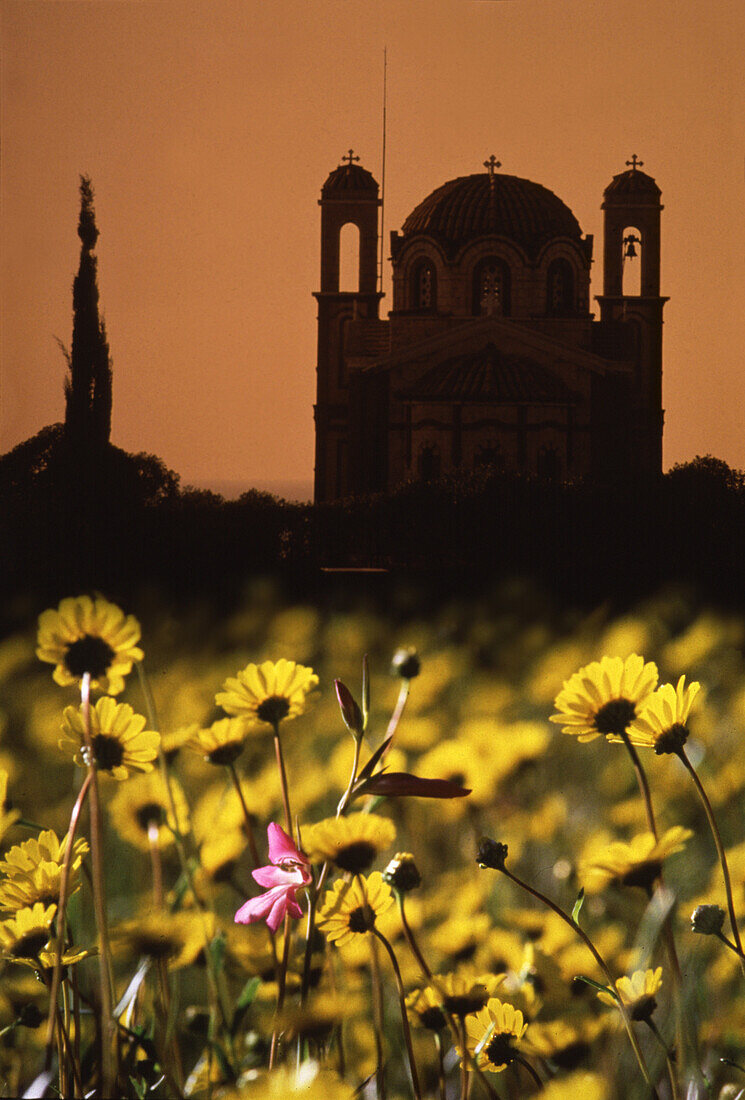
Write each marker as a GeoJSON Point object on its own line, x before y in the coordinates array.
{"type": "Point", "coordinates": [492, 164]}
{"type": "Point", "coordinates": [350, 158]}
{"type": "Point", "coordinates": [635, 163]}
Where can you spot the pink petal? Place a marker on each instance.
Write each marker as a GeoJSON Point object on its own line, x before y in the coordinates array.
{"type": "Point", "coordinates": [281, 847]}
{"type": "Point", "coordinates": [278, 911]}
{"type": "Point", "coordinates": [256, 909]}
{"type": "Point", "coordinates": [277, 876]}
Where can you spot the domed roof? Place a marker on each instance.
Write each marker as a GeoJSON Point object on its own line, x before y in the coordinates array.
{"type": "Point", "coordinates": [632, 184]}
{"type": "Point", "coordinates": [348, 181]}
{"type": "Point", "coordinates": [483, 205]}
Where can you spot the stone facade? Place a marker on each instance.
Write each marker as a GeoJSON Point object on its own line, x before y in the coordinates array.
{"type": "Point", "coordinates": [490, 355]}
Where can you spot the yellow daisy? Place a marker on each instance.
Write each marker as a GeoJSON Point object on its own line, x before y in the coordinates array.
{"type": "Point", "coordinates": [223, 742]}
{"type": "Point", "coordinates": [351, 908]}
{"type": "Point", "coordinates": [32, 870]}
{"type": "Point", "coordinates": [462, 993]}
{"type": "Point", "coordinates": [661, 725]}
{"type": "Point", "coordinates": [637, 863]}
{"type": "Point", "coordinates": [604, 697]}
{"type": "Point", "coordinates": [494, 1035]}
{"type": "Point", "coordinates": [637, 993]}
{"type": "Point", "coordinates": [309, 1081]}
{"type": "Point", "coordinates": [141, 810]}
{"type": "Point", "coordinates": [121, 744]}
{"type": "Point", "coordinates": [424, 1007]}
{"type": "Point", "coordinates": [27, 933]}
{"type": "Point", "coordinates": [352, 842]}
{"type": "Point", "coordinates": [89, 635]}
{"type": "Point", "coordinates": [177, 938]}
{"type": "Point", "coordinates": [8, 816]}
{"type": "Point", "coordinates": [270, 692]}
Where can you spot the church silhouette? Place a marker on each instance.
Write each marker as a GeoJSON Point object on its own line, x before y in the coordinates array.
{"type": "Point", "coordinates": [490, 356]}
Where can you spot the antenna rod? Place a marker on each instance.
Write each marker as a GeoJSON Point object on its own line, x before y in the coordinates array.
{"type": "Point", "coordinates": [382, 173]}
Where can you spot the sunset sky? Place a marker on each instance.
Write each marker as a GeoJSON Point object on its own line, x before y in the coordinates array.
{"type": "Point", "coordinates": [208, 129]}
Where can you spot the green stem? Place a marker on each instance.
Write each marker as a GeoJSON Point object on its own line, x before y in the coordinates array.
{"type": "Point", "coordinates": [440, 1066]}
{"type": "Point", "coordinates": [720, 852]}
{"type": "Point", "coordinates": [404, 1016]}
{"type": "Point", "coordinates": [281, 987]}
{"type": "Point", "coordinates": [61, 911]}
{"type": "Point", "coordinates": [282, 779]}
{"type": "Point", "coordinates": [641, 778]}
{"type": "Point", "coordinates": [598, 959]}
{"type": "Point", "coordinates": [410, 939]}
{"type": "Point", "coordinates": [246, 816]}
{"type": "Point", "coordinates": [526, 1065]}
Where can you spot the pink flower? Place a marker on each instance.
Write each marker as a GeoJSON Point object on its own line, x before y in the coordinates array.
{"type": "Point", "coordinates": [287, 872]}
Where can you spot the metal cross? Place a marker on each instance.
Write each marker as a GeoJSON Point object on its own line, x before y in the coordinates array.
{"type": "Point", "coordinates": [635, 163]}
{"type": "Point", "coordinates": [492, 164]}
{"type": "Point", "coordinates": [350, 157]}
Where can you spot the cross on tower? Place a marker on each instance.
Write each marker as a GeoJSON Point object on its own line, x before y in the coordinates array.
{"type": "Point", "coordinates": [350, 157]}
{"type": "Point", "coordinates": [635, 163]}
{"type": "Point", "coordinates": [492, 164]}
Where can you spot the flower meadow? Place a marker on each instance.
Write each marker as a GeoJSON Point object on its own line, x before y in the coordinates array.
{"type": "Point", "coordinates": [482, 848]}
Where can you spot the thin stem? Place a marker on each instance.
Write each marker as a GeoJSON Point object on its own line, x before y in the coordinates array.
{"type": "Point", "coordinates": [462, 1039]}
{"type": "Point", "coordinates": [641, 778]}
{"type": "Point", "coordinates": [99, 899]}
{"type": "Point", "coordinates": [410, 939]}
{"type": "Point", "coordinates": [403, 695]}
{"type": "Point", "coordinates": [246, 816]}
{"type": "Point", "coordinates": [404, 1016]}
{"type": "Point", "coordinates": [720, 852]}
{"type": "Point", "coordinates": [62, 909]}
{"type": "Point", "coordinates": [378, 1022]}
{"type": "Point", "coordinates": [348, 792]}
{"type": "Point", "coordinates": [281, 986]}
{"type": "Point", "coordinates": [282, 779]}
{"type": "Point", "coordinates": [669, 1060]}
{"type": "Point", "coordinates": [440, 1066]}
{"type": "Point", "coordinates": [526, 1065]}
{"type": "Point", "coordinates": [598, 959]}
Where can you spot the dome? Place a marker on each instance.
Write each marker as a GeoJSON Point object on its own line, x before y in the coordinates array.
{"type": "Point", "coordinates": [633, 185]}
{"type": "Point", "coordinates": [350, 181]}
{"type": "Point", "coordinates": [481, 205]}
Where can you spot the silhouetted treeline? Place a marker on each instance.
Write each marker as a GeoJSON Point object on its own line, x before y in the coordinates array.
{"type": "Point", "coordinates": [124, 522]}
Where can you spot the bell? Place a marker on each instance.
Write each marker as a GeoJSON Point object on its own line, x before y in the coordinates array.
{"type": "Point", "coordinates": [630, 250]}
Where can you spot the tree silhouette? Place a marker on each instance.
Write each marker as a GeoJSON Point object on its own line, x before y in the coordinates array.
{"type": "Point", "coordinates": [88, 387]}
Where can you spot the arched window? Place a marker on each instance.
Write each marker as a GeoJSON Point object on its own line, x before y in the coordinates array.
{"type": "Point", "coordinates": [491, 287]}
{"type": "Point", "coordinates": [560, 288]}
{"type": "Point", "coordinates": [549, 464]}
{"type": "Point", "coordinates": [489, 456]}
{"type": "Point", "coordinates": [424, 286]}
{"type": "Point", "coordinates": [349, 257]}
{"type": "Point", "coordinates": [631, 262]}
{"type": "Point", "coordinates": [429, 462]}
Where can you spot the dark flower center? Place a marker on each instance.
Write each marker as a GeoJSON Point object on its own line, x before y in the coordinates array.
{"type": "Point", "coordinates": [500, 1050]}
{"type": "Point", "coordinates": [151, 813]}
{"type": "Point", "coordinates": [29, 945]}
{"type": "Point", "coordinates": [463, 1004]}
{"type": "Point", "coordinates": [615, 716]}
{"type": "Point", "coordinates": [355, 857]}
{"type": "Point", "coordinates": [643, 1008]}
{"type": "Point", "coordinates": [433, 1018]}
{"type": "Point", "coordinates": [157, 947]}
{"type": "Point", "coordinates": [89, 654]}
{"type": "Point", "coordinates": [671, 740]}
{"type": "Point", "coordinates": [226, 754]}
{"type": "Point", "coordinates": [273, 709]}
{"type": "Point", "coordinates": [361, 919]}
{"type": "Point", "coordinates": [108, 751]}
{"type": "Point", "coordinates": [644, 874]}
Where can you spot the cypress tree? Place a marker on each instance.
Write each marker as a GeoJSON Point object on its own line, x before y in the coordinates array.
{"type": "Point", "coordinates": [88, 387]}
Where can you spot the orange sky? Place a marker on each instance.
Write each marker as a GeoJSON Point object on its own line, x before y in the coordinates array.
{"type": "Point", "coordinates": [209, 128]}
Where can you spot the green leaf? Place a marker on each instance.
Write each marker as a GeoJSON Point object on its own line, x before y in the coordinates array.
{"type": "Point", "coordinates": [578, 905]}
{"type": "Point", "coordinates": [596, 985]}
{"type": "Point", "coordinates": [370, 765]}
{"type": "Point", "coordinates": [402, 784]}
{"type": "Point", "coordinates": [217, 950]}
{"type": "Point", "coordinates": [248, 993]}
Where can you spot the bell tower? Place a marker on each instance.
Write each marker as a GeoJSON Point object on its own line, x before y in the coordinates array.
{"type": "Point", "coordinates": [349, 197]}
{"type": "Point", "coordinates": [632, 299]}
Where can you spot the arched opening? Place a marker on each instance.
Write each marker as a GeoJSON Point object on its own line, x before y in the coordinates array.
{"type": "Point", "coordinates": [631, 262]}
{"type": "Point", "coordinates": [489, 457]}
{"type": "Point", "coordinates": [349, 258]}
{"type": "Point", "coordinates": [549, 464]}
{"type": "Point", "coordinates": [429, 465]}
{"type": "Point", "coordinates": [560, 300]}
{"type": "Point", "coordinates": [423, 288]}
{"type": "Point", "coordinates": [491, 288]}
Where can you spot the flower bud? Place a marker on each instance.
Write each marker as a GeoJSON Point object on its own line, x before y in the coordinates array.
{"type": "Point", "coordinates": [491, 853]}
{"type": "Point", "coordinates": [406, 663]}
{"type": "Point", "coordinates": [707, 919]}
{"type": "Point", "coordinates": [402, 873]}
{"type": "Point", "coordinates": [350, 712]}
